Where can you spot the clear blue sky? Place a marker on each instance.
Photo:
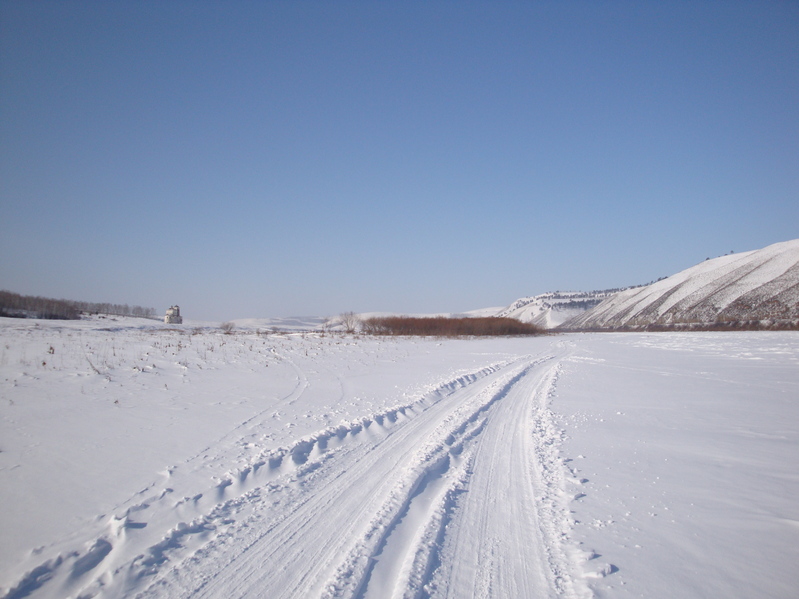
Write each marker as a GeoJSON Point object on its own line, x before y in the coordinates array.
{"type": "Point", "coordinates": [248, 159]}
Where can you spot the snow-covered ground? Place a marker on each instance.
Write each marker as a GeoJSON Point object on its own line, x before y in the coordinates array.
{"type": "Point", "coordinates": [141, 460]}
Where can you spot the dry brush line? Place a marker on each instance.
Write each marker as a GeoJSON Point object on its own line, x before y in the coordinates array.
{"type": "Point", "coordinates": [448, 327]}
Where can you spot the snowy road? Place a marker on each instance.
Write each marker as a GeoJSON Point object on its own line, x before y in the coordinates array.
{"type": "Point", "coordinates": [360, 510]}
{"type": "Point", "coordinates": [152, 463]}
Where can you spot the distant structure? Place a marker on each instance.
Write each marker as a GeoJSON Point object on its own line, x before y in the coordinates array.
{"type": "Point", "coordinates": [173, 316]}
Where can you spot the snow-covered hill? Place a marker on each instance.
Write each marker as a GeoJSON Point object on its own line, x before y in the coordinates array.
{"type": "Point", "coordinates": [548, 310]}
{"type": "Point", "coordinates": [760, 285]}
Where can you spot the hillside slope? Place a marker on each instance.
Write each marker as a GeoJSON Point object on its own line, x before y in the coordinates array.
{"type": "Point", "coordinates": [760, 286]}
{"type": "Point", "coordinates": [548, 310]}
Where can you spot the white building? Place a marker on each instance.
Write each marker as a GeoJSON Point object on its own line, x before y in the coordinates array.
{"type": "Point", "coordinates": [173, 316]}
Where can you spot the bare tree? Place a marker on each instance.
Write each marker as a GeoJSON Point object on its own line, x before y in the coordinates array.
{"type": "Point", "coordinates": [349, 321]}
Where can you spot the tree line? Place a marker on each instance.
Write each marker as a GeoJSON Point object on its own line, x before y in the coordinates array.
{"type": "Point", "coordinates": [33, 306]}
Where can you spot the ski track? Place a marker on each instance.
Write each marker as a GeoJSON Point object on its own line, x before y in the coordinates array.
{"type": "Point", "coordinates": [459, 493]}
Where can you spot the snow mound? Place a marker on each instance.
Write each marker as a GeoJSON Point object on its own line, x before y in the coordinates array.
{"type": "Point", "coordinates": [757, 285]}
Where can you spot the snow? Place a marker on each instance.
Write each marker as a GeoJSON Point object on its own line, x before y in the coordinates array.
{"type": "Point", "coordinates": [752, 285]}
{"type": "Point", "coordinates": [688, 446]}
{"type": "Point", "coordinates": [550, 310]}
{"type": "Point", "coordinates": [144, 460]}
{"type": "Point", "coordinates": [290, 324]}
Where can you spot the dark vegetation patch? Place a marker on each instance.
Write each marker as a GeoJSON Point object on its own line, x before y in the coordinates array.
{"type": "Point", "coordinates": [448, 327]}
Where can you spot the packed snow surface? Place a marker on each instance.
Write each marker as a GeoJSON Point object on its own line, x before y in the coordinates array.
{"type": "Point", "coordinates": [138, 460]}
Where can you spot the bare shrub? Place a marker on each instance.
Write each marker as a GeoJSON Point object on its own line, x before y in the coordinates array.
{"type": "Point", "coordinates": [227, 327]}
{"type": "Point", "coordinates": [350, 321]}
{"type": "Point", "coordinates": [448, 327]}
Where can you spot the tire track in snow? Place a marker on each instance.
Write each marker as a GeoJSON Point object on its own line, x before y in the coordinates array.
{"type": "Point", "coordinates": [407, 552]}
{"type": "Point", "coordinates": [494, 523]}
{"type": "Point", "coordinates": [392, 507]}
{"type": "Point", "coordinates": [160, 529]}
{"type": "Point", "coordinates": [339, 506]}
{"type": "Point", "coordinates": [454, 494]}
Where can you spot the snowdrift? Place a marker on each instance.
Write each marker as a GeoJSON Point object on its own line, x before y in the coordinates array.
{"type": "Point", "coordinates": [756, 289]}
